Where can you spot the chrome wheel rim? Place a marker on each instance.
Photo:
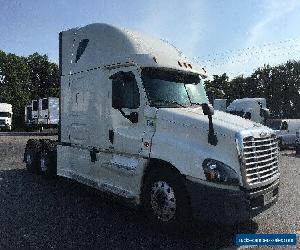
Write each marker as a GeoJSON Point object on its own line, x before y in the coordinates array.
{"type": "Point", "coordinates": [163, 201]}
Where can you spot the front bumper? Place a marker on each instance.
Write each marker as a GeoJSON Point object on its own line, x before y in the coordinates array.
{"type": "Point", "coordinates": [225, 206]}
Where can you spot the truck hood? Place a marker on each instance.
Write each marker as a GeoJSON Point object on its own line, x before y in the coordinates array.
{"type": "Point", "coordinates": [224, 124]}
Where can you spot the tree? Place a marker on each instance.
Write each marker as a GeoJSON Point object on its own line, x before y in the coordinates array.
{"type": "Point", "coordinates": [26, 79]}
{"type": "Point", "coordinates": [280, 85]}
{"type": "Point", "coordinates": [44, 76]}
{"type": "Point", "coordinates": [217, 87]}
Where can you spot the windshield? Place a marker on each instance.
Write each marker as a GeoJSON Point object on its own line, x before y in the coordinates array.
{"type": "Point", "coordinates": [5, 114]}
{"type": "Point", "coordinates": [170, 88]}
{"type": "Point", "coordinates": [274, 124]}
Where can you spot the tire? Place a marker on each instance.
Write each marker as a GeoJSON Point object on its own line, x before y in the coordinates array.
{"type": "Point", "coordinates": [32, 156]}
{"type": "Point", "coordinates": [47, 164]}
{"type": "Point", "coordinates": [165, 200]}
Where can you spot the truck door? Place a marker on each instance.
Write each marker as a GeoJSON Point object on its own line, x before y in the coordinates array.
{"type": "Point", "coordinates": [35, 110]}
{"type": "Point", "coordinates": [127, 129]}
{"type": "Point", "coordinates": [119, 169]}
{"type": "Point", "coordinates": [43, 110]}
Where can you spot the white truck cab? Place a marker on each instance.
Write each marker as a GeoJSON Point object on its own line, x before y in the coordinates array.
{"type": "Point", "coordinates": [287, 131]}
{"type": "Point", "coordinates": [136, 122]}
{"type": "Point", "coordinates": [254, 109]}
{"type": "Point", "coordinates": [6, 116]}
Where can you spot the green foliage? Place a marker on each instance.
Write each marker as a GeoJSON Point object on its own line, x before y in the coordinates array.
{"type": "Point", "coordinates": [280, 85]}
{"type": "Point", "coordinates": [26, 78]}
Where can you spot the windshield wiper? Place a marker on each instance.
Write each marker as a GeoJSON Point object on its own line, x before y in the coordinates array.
{"type": "Point", "coordinates": [159, 102]}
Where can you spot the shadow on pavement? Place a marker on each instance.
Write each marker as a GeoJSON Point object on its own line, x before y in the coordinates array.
{"type": "Point", "coordinates": [40, 213]}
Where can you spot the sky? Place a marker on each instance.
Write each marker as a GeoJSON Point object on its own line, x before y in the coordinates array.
{"type": "Point", "coordinates": [229, 36]}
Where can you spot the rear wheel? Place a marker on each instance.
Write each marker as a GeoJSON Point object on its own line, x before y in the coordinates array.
{"type": "Point", "coordinates": [165, 200]}
{"type": "Point", "coordinates": [32, 156]}
{"type": "Point", "coordinates": [47, 163]}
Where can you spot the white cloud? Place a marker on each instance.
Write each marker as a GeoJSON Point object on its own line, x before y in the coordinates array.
{"type": "Point", "coordinates": [272, 10]}
{"type": "Point", "coordinates": [255, 52]}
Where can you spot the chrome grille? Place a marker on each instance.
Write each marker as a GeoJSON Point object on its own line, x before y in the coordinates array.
{"type": "Point", "coordinates": [260, 158]}
{"type": "Point", "coordinates": [2, 122]}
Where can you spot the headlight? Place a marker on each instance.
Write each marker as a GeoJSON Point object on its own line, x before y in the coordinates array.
{"type": "Point", "coordinates": [216, 171]}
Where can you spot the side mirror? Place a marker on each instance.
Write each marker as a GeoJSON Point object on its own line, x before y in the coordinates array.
{"type": "Point", "coordinates": [134, 117]}
{"type": "Point", "coordinates": [207, 109]}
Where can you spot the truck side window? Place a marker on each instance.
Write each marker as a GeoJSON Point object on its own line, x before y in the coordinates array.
{"type": "Point", "coordinates": [125, 91]}
{"type": "Point", "coordinates": [44, 104]}
{"type": "Point", "coordinates": [81, 48]}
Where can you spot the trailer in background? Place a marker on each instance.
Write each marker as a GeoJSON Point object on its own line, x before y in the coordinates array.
{"type": "Point", "coordinates": [5, 117]}
{"type": "Point", "coordinates": [42, 114]}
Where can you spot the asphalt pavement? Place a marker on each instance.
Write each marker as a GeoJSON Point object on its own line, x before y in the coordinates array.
{"type": "Point", "coordinates": [59, 213]}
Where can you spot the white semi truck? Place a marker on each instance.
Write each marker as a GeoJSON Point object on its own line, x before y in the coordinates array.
{"type": "Point", "coordinates": [287, 131]}
{"type": "Point", "coordinates": [42, 113]}
{"type": "Point", "coordinates": [136, 122]}
{"type": "Point", "coordinates": [5, 117]}
{"type": "Point", "coordinates": [254, 109]}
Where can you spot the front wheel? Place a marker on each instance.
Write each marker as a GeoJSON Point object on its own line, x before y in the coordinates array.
{"type": "Point", "coordinates": [165, 200]}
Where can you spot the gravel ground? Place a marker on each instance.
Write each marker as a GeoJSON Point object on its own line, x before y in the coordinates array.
{"type": "Point", "coordinates": [60, 213]}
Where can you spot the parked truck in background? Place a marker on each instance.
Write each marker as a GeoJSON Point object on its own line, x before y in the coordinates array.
{"type": "Point", "coordinates": [28, 119]}
{"type": "Point", "coordinates": [136, 122]}
{"type": "Point", "coordinates": [5, 117]}
{"type": "Point", "coordinates": [42, 113]}
{"type": "Point", "coordinates": [287, 131]}
{"type": "Point", "coordinates": [254, 109]}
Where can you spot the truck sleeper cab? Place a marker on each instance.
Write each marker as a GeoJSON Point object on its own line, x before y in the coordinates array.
{"type": "Point", "coordinates": [136, 122]}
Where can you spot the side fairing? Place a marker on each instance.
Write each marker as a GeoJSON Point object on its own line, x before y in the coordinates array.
{"type": "Point", "coordinates": [85, 113]}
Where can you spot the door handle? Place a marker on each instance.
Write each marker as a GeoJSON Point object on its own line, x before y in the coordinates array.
{"type": "Point", "coordinates": [111, 136]}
